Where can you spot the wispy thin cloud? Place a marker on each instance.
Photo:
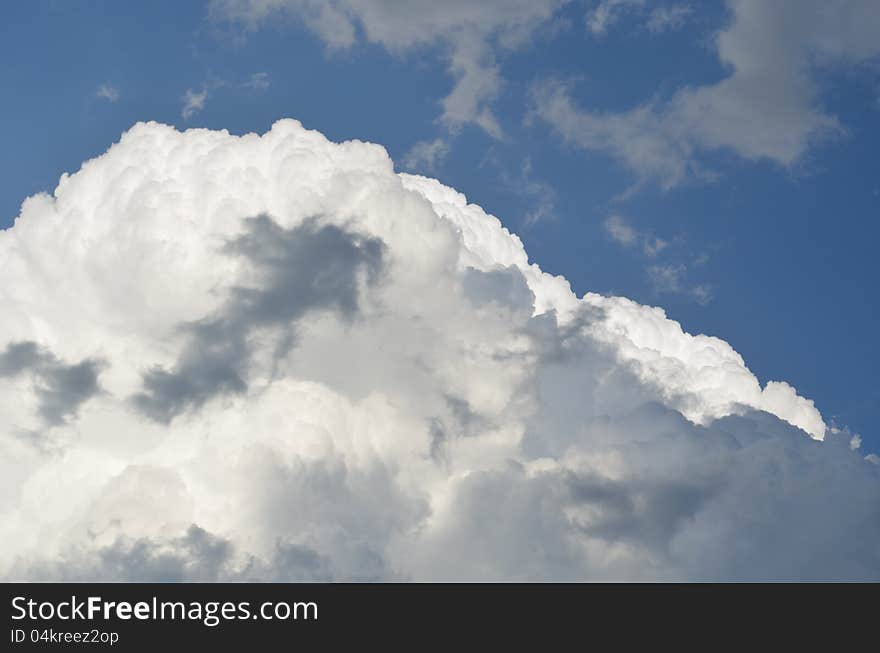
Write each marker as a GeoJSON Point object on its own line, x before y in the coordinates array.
{"type": "Point", "coordinates": [194, 102]}
{"type": "Point", "coordinates": [620, 231]}
{"type": "Point", "coordinates": [107, 92]}
{"type": "Point", "coordinates": [672, 279]}
{"type": "Point", "coordinates": [624, 234]}
{"type": "Point", "coordinates": [523, 183]}
{"type": "Point", "coordinates": [258, 81]}
{"type": "Point", "coordinates": [665, 277]}
{"type": "Point", "coordinates": [607, 12]}
{"type": "Point", "coordinates": [543, 193]}
{"type": "Point", "coordinates": [668, 19]}
{"type": "Point", "coordinates": [426, 155]}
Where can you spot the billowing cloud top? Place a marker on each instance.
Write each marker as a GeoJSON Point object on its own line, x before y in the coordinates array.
{"type": "Point", "coordinates": [272, 357]}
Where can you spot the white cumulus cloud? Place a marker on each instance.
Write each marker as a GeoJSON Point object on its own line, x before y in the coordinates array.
{"type": "Point", "coordinates": [272, 357]}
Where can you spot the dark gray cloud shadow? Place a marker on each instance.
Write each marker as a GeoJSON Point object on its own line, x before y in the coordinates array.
{"type": "Point", "coordinates": [646, 513]}
{"type": "Point", "coordinates": [311, 267]}
{"type": "Point", "coordinates": [61, 388]}
{"type": "Point", "coordinates": [198, 556]}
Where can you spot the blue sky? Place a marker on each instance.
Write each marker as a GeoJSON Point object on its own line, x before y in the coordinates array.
{"type": "Point", "coordinates": [767, 245]}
